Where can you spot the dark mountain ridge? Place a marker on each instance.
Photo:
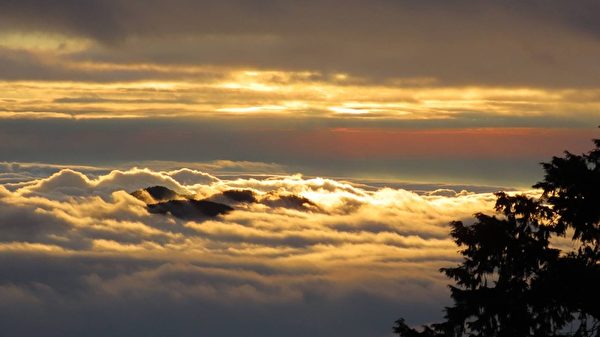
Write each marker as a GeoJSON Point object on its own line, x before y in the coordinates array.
{"type": "Point", "coordinates": [162, 200]}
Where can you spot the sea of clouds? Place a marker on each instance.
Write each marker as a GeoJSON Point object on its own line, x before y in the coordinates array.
{"type": "Point", "coordinates": [80, 256]}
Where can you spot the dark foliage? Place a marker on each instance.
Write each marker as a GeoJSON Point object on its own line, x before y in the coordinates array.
{"type": "Point", "coordinates": [161, 193]}
{"type": "Point", "coordinates": [513, 282]}
{"type": "Point", "coordinates": [158, 193]}
{"type": "Point", "coordinates": [240, 195]}
{"type": "Point", "coordinates": [190, 209]}
{"type": "Point", "coordinates": [291, 201]}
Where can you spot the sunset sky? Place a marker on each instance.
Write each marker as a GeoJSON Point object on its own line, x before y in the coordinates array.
{"type": "Point", "coordinates": [391, 117]}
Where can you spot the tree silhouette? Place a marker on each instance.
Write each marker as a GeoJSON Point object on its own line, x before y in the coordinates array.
{"type": "Point", "coordinates": [513, 281]}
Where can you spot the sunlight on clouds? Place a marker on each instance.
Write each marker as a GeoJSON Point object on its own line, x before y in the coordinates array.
{"type": "Point", "coordinates": [248, 86]}
{"type": "Point", "coordinates": [353, 242]}
{"type": "Point", "coordinates": [219, 92]}
{"type": "Point", "coordinates": [401, 116]}
{"type": "Point", "coordinates": [346, 110]}
{"type": "Point", "coordinates": [43, 42]}
{"type": "Point", "coordinates": [25, 247]}
{"type": "Point", "coordinates": [254, 109]}
{"type": "Point", "coordinates": [381, 231]}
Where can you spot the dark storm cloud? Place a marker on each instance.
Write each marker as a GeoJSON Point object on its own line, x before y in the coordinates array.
{"type": "Point", "coordinates": [582, 16]}
{"type": "Point", "coordinates": [548, 43]}
{"type": "Point", "coordinates": [118, 19]}
{"type": "Point", "coordinates": [96, 18]}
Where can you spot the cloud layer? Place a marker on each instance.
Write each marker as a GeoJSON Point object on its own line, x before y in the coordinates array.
{"type": "Point", "coordinates": [460, 91]}
{"type": "Point", "coordinates": [464, 42]}
{"type": "Point", "coordinates": [81, 255]}
{"type": "Point", "coordinates": [505, 63]}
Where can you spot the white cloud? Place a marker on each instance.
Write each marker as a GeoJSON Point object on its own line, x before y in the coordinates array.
{"type": "Point", "coordinates": [68, 182]}
{"type": "Point", "coordinates": [186, 176]}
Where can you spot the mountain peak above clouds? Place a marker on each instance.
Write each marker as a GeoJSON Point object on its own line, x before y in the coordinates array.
{"type": "Point", "coordinates": [162, 200]}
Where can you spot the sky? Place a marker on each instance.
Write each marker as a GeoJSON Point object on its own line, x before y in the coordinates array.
{"type": "Point", "coordinates": [391, 117]}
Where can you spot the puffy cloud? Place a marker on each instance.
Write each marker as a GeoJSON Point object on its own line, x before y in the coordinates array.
{"type": "Point", "coordinates": [68, 182]}
{"type": "Point", "coordinates": [13, 173]}
{"type": "Point", "coordinates": [69, 242]}
{"type": "Point", "coordinates": [186, 176]}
